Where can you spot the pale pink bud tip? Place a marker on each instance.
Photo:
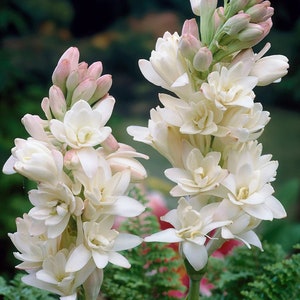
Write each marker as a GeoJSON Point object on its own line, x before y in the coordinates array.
{"type": "Point", "coordinates": [202, 59]}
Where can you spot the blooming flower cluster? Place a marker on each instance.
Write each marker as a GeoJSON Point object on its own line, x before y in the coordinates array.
{"type": "Point", "coordinates": [83, 175]}
{"type": "Point", "coordinates": [208, 127]}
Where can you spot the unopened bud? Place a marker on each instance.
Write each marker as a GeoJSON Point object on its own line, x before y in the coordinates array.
{"type": "Point", "coordinates": [72, 81]}
{"type": "Point", "coordinates": [84, 90]}
{"type": "Point", "coordinates": [72, 55]}
{"type": "Point", "coordinates": [202, 59]}
{"type": "Point", "coordinates": [260, 12]}
{"type": "Point", "coordinates": [250, 33]}
{"type": "Point", "coordinates": [46, 108]}
{"type": "Point", "coordinates": [270, 69]}
{"type": "Point", "coordinates": [61, 73]}
{"type": "Point", "coordinates": [237, 5]}
{"type": "Point", "coordinates": [110, 144]}
{"type": "Point", "coordinates": [207, 7]}
{"type": "Point", "coordinates": [236, 24]}
{"type": "Point", "coordinates": [34, 125]}
{"type": "Point", "coordinates": [188, 46]}
{"type": "Point", "coordinates": [71, 160]}
{"type": "Point", "coordinates": [57, 102]}
{"type": "Point", "coordinates": [195, 4]}
{"type": "Point", "coordinates": [94, 70]}
{"type": "Point", "coordinates": [190, 27]}
{"type": "Point", "coordinates": [103, 84]}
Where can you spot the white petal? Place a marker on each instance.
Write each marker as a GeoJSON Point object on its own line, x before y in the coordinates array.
{"type": "Point", "coordinates": [119, 260]}
{"type": "Point", "coordinates": [71, 297]}
{"type": "Point", "coordinates": [195, 254]}
{"type": "Point", "coordinates": [105, 106]}
{"type": "Point", "coordinates": [126, 241]}
{"type": "Point", "coordinates": [149, 73]}
{"type": "Point", "coordinates": [251, 238]}
{"type": "Point", "coordinates": [89, 161]}
{"type": "Point", "coordinates": [276, 207]}
{"type": "Point", "coordinates": [165, 236]}
{"type": "Point", "coordinates": [181, 81]}
{"type": "Point", "coordinates": [100, 259]}
{"type": "Point", "coordinates": [260, 211]}
{"type": "Point", "coordinates": [8, 167]}
{"type": "Point", "coordinates": [78, 258]}
{"type": "Point", "coordinates": [126, 207]}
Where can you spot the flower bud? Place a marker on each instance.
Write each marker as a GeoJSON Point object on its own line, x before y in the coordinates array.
{"type": "Point", "coordinates": [237, 5]}
{"type": "Point", "coordinates": [195, 4]}
{"type": "Point", "coordinates": [71, 55]}
{"type": "Point", "coordinates": [260, 12]}
{"type": "Point", "coordinates": [84, 90]}
{"type": "Point", "coordinates": [190, 27]}
{"type": "Point", "coordinates": [57, 102]}
{"type": "Point", "coordinates": [94, 70]}
{"type": "Point", "coordinates": [188, 46]}
{"type": "Point", "coordinates": [270, 69]}
{"type": "Point", "coordinates": [252, 32]}
{"type": "Point", "coordinates": [46, 108]}
{"type": "Point", "coordinates": [236, 24]}
{"type": "Point", "coordinates": [103, 84]}
{"type": "Point", "coordinates": [207, 7]}
{"type": "Point", "coordinates": [71, 160]}
{"type": "Point", "coordinates": [110, 144]}
{"type": "Point", "coordinates": [202, 59]}
{"type": "Point", "coordinates": [72, 81]}
{"type": "Point", "coordinates": [34, 125]}
{"type": "Point", "coordinates": [61, 73]}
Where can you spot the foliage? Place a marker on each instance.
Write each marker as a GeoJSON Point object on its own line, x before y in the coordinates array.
{"type": "Point", "coordinates": [17, 290]}
{"type": "Point", "coordinates": [252, 274]}
{"type": "Point", "coordinates": [154, 265]}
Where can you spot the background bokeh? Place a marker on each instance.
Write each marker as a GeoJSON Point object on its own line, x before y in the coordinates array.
{"type": "Point", "coordinates": [34, 34]}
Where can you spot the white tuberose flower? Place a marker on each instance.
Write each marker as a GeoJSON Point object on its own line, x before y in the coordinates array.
{"type": "Point", "coordinates": [166, 67]}
{"type": "Point", "coordinates": [101, 243]}
{"type": "Point", "coordinates": [200, 173]}
{"type": "Point", "coordinates": [191, 227]}
{"type": "Point", "coordinates": [34, 160]}
{"type": "Point", "coordinates": [83, 126]}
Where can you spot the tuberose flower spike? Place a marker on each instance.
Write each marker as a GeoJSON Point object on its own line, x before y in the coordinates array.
{"type": "Point", "coordinates": [83, 175]}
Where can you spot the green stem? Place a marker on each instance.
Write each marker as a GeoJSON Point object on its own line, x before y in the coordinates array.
{"type": "Point", "coordinates": [194, 290]}
{"type": "Point", "coordinates": [194, 277]}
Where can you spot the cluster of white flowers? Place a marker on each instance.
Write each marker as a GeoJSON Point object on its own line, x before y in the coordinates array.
{"type": "Point", "coordinates": [208, 127]}
{"type": "Point", "coordinates": [83, 175]}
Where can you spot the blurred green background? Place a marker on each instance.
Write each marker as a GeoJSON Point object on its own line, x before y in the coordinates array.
{"type": "Point", "coordinates": [34, 34]}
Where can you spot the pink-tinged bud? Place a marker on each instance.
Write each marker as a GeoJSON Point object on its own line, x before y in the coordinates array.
{"type": "Point", "coordinates": [71, 160]}
{"type": "Point", "coordinates": [95, 70]}
{"type": "Point", "coordinates": [71, 55]}
{"type": "Point", "coordinates": [218, 17]}
{"type": "Point", "coordinates": [188, 46]}
{"type": "Point", "coordinates": [103, 83]}
{"type": "Point", "coordinates": [110, 144]}
{"type": "Point", "coordinates": [255, 32]}
{"type": "Point", "coordinates": [34, 125]}
{"type": "Point", "coordinates": [66, 64]}
{"type": "Point", "coordinates": [202, 59]}
{"type": "Point", "coordinates": [72, 81]}
{"type": "Point", "coordinates": [84, 90]}
{"type": "Point", "coordinates": [236, 24]}
{"type": "Point", "coordinates": [190, 27]}
{"type": "Point", "coordinates": [260, 12]}
{"type": "Point", "coordinates": [82, 71]}
{"type": "Point", "coordinates": [61, 73]}
{"type": "Point", "coordinates": [252, 32]}
{"type": "Point", "coordinates": [57, 102]}
{"type": "Point", "coordinates": [46, 108]}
